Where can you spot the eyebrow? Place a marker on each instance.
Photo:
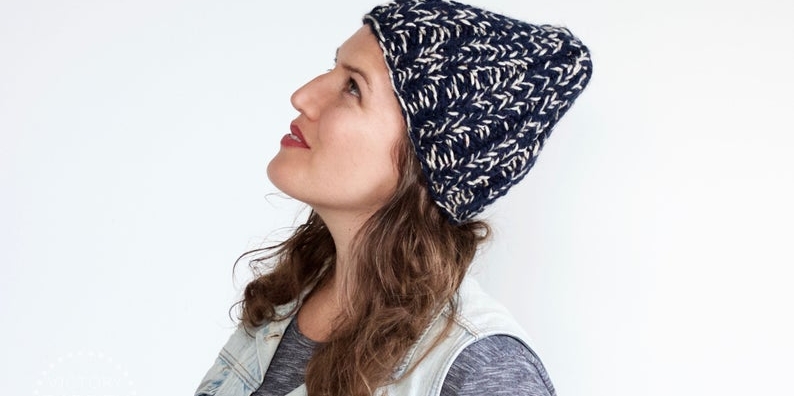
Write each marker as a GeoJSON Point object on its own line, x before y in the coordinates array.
{"type": "Point", "coordinates": [353, 69]}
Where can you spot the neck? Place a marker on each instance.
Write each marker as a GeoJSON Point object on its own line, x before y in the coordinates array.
{"type": "Point", "coordinates": [343, 228]}
{"type": "Point", "coordinates": [326, 303]}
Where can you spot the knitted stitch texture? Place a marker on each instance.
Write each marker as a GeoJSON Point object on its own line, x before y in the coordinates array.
{"type": "Point", "coordinates": [480, 93]}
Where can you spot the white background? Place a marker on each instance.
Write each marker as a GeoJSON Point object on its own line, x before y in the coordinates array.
{"type": "Point", "coordinates": [647, 253]}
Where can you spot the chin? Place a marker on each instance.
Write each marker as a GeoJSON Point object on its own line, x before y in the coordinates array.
{"type": "Point", "coordinates": [278, 175]}
{"type": "Point", "coordinates": [283, 177]}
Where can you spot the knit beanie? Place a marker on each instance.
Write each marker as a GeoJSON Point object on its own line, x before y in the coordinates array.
{"type": "Point", "coordinates": [480, 93]}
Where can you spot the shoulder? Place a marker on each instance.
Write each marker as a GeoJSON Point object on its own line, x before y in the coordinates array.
{"type": "Point", "coordinates": [480, 315]}
{"type": "Point", "coordinates": [483, 335]}
{"type": "Point", "coordinates": [497, 365]}
{"type": "Point", "coordinates": [498, 359]}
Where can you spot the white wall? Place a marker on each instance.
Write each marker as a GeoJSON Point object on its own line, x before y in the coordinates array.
{"type": "Point", "coordinates": [647, 252]}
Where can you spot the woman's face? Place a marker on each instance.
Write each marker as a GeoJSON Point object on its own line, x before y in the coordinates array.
{"type": "Point", "coordinates": [340, 156]}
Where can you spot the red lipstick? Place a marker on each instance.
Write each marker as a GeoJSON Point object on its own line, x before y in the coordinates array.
{"type": "Point", "coordinates": [295, 138]}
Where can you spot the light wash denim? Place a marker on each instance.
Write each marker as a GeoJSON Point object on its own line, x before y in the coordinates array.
{"type": "Point", "coordinates": [241, 364]}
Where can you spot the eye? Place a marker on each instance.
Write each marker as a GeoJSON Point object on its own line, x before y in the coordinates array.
{"type": "Point", "coordinates": [352, 88]}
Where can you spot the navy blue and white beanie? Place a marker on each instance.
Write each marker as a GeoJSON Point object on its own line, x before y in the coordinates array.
{"type": "Point", "coordinates": [480, 93]}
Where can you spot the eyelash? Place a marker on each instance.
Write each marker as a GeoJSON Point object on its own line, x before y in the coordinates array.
{"type": "Point", "coordinates": [352, 88]}
{"type": "Point", "coordinates": [352, 85]}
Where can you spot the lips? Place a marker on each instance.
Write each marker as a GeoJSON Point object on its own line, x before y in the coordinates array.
{"type": "Point", "coordinates": [295, 138]}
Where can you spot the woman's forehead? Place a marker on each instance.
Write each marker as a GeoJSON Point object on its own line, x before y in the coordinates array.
{"type": "Point", "coordinates": [362, 54]}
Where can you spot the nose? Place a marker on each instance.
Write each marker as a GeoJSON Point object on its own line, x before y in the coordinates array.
{"type": "Point", "coordinates": [308, 99]}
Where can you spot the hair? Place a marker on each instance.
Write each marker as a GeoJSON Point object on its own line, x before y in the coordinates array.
{"type": "Point", "coordinates": [408, 261]}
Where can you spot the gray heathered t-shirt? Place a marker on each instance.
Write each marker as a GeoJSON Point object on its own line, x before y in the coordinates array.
{"type": "Point", "coordinates": [493, 366]}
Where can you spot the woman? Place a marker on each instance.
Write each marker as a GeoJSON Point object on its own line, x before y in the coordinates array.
{"type": "Point", "coordinates": [433, 110]}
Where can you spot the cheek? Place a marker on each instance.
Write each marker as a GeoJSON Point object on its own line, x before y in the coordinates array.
{"type": "Point", "coordinates": [366, 162]}
{"type": "Point", "coordinates": [361, 161]}
{"type": "Point", "coordinates": [379, 161]}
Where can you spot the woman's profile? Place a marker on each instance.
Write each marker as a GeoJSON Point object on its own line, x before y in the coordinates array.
{"type": "Point", "coordinates": [433, 110]}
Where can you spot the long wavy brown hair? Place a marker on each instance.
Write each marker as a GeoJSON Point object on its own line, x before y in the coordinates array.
{"type": "Point", "coordinates": [408, 261]}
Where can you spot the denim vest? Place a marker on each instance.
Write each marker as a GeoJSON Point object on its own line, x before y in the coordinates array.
{"type": "Point", "coordinates": [241, 364]}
